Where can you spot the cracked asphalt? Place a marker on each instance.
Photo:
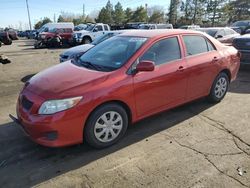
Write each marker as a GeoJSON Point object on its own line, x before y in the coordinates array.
{"type": "Point", "coordinates": [196, 145]}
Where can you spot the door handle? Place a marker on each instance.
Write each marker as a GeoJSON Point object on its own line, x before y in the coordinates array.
{"type": "Point", "coordinates": [215, 59]}
{"type": "Point", "coordinates": [181, 68]}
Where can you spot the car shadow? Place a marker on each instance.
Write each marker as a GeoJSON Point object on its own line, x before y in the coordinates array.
{"type": "Point", "coordinates": [21, 159]}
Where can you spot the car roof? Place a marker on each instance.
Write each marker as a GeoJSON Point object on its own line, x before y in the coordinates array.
{"type": "Point", "coordinates": [158, 32]}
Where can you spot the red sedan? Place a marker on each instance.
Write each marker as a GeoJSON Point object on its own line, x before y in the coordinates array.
{"type": "Point", "coordinates": [120, 81]}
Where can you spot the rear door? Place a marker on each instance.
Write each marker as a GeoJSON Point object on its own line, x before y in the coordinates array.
{"type": "Point", "coordinates": [201, 57]}
{"type": "Point", "coordinates": [166, 85]}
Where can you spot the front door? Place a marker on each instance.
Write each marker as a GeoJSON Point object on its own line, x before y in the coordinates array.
{"type": "Point", "coordinates": [166, 85]}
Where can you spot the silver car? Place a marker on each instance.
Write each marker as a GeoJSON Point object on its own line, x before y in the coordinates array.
{"type": "Point", "coordinates": [77, 51]}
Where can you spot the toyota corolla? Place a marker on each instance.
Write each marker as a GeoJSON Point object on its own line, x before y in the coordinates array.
{"type": "Point", "coordinates": [120, 81]}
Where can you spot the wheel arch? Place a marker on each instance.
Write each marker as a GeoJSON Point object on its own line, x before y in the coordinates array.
{"type": "Point", "coordinates": [227, 72]}
{"type": "Point", "coordinates": [119, 102]}
{"type": "Point", "coordinates": [87, 36]}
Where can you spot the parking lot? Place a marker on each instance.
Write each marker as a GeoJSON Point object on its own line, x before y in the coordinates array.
{"type": "Point", "coordinates": [195, 145]}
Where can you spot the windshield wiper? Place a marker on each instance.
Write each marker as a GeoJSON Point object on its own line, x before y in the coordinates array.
{"type": "Point", "coordinates": [89, 65]}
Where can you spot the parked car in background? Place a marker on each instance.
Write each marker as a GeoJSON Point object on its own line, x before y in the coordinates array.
{"type": "Point", "coordinates": [25, 33]}
{"type": "Point", "coordinates": [133, 25]}
{"type": "Point", "coordinates": [12, 33]}
{"type": "Point", "coordinates": [4, 37]}
{"type": "Point", "coordinates": [93, 31]}
{"type": "Point", "coordinates": [50, 26]}
{"type": "Point", "coordinates": [55, 37]}
{"type": "Point", "coordinates": [222, 34]}
{"type": "Point", "coordinates": [77, 51]}
{"type": "Point", "coordinates": [242, 43]}
{"type": "Point", "coordinates": [120, 81]}
{"type": "Point", "coordinates": [191, 27]}
{"type": "Point", "coordinates": [241, 26]}
{"type": "Point", "coordinates": [155, 26]}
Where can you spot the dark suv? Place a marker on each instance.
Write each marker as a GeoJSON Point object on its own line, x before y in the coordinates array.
{"type": "Point", "coordinates": [242, 43]}
{"type": "Point", "coordinates": [241, 26]}
{"type": "Point", "coordinates": [4, 37]}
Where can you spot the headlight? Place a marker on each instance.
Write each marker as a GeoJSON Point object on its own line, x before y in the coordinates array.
{"type": "Point", "coordinates": [53, 106]}
{"type": "Point", "coordinates": [79, 34]}
{"type": "Point", "coordinates": [75, 56]}
{"type": "Point", "coordinates": [43, 36]}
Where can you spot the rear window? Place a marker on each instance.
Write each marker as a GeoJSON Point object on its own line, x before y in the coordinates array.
{"type": "Point", "coordinates": [229, 32]}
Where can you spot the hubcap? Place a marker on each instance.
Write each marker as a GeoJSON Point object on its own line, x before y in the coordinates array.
{"type": "Point", "coordinates": [221, 87]}
{"type": "Point", "coordinates": [108, 126]}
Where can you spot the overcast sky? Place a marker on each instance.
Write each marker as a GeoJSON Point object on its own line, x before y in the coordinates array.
{"type": "Point", "coordinates": [14, 12]}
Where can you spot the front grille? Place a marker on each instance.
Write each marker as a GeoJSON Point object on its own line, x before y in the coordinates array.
{"type": "Point", "coordinates": [242, 44]}
{"type": "Point", "coordinates": [26, 103]}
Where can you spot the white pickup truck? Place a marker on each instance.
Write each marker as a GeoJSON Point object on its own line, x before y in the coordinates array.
{"type": "Point", "coordinates": [88, 35]}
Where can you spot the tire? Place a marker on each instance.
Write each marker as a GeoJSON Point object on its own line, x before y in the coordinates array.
{"type": "Point", "coordinates": [86, 40]}
{"type": "Point", "coordinates": [8, 42]}
{"type": "Point", "coordinates": [95, 130]}
{"type": "Point", "coordinates": [219, 88]}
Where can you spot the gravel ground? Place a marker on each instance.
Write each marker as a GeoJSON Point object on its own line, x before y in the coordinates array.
{"type": "Point", "coordinates": [195, 145]}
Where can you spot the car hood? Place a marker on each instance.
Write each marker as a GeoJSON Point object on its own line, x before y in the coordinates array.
{"type": "Point", "coordinates": [82, 31]}
{"type": "Point", "coordinates": [77, 49]}
{"type": "Point", "coordinates": [64, 80]}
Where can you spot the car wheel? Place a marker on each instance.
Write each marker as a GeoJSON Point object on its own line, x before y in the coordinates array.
{"type": "Point", "coordinates": [106, 125]}
{"type": "Point", "coordinates": [86, 40]}
{"type": "Point", "coordinates": [8, 42]}
{"type": "Point", "coordinates": [219, 88]}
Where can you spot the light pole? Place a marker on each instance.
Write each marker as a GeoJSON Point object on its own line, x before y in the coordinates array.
{"type": "Point", "coordinates": [28, 13]}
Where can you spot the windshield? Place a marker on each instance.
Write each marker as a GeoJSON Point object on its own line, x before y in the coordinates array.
{"type": "Point", "coordinates": [111, 54]}
{"type": "Point", "coordinates": [103, 38]}
{"type": "Point", "coordinates": [52, 30]}
{"type": "Point", "coordinates": [144, 26]}
{"type": "Point", "coordinates": [90, 27]}
{"type": "Point", "coordinates": [240, 23]}
{"type": "Point", "coordinates": [80, 27]}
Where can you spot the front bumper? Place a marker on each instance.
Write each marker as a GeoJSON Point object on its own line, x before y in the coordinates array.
{"type": "Point", "coordinates": [57, 130]}
{"type": "Point", "coordinates": [77, 40]}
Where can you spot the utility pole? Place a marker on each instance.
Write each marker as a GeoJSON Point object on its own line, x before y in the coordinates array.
{"type": "Point", "coordinates": [54, 18]}
{"type": "Point", "coordinates": [83, 10]}
{"type": "Point", "coordinates": [28, 13]}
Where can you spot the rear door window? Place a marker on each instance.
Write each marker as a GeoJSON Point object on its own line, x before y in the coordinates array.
{"type": "Point", "coordinates": [163, 51]}
{"type": "Point", "coordinates": [197, 45]}
{"type": "Point", "coordinates": [106, 28]}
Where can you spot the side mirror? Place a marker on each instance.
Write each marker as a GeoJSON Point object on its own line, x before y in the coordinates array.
{"type": "Point", "coordinates": [219, 36]}
{"type": "Point", "coordinates": [95, 29]}
{"type": "Point", "coordinates": [145, 66]}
